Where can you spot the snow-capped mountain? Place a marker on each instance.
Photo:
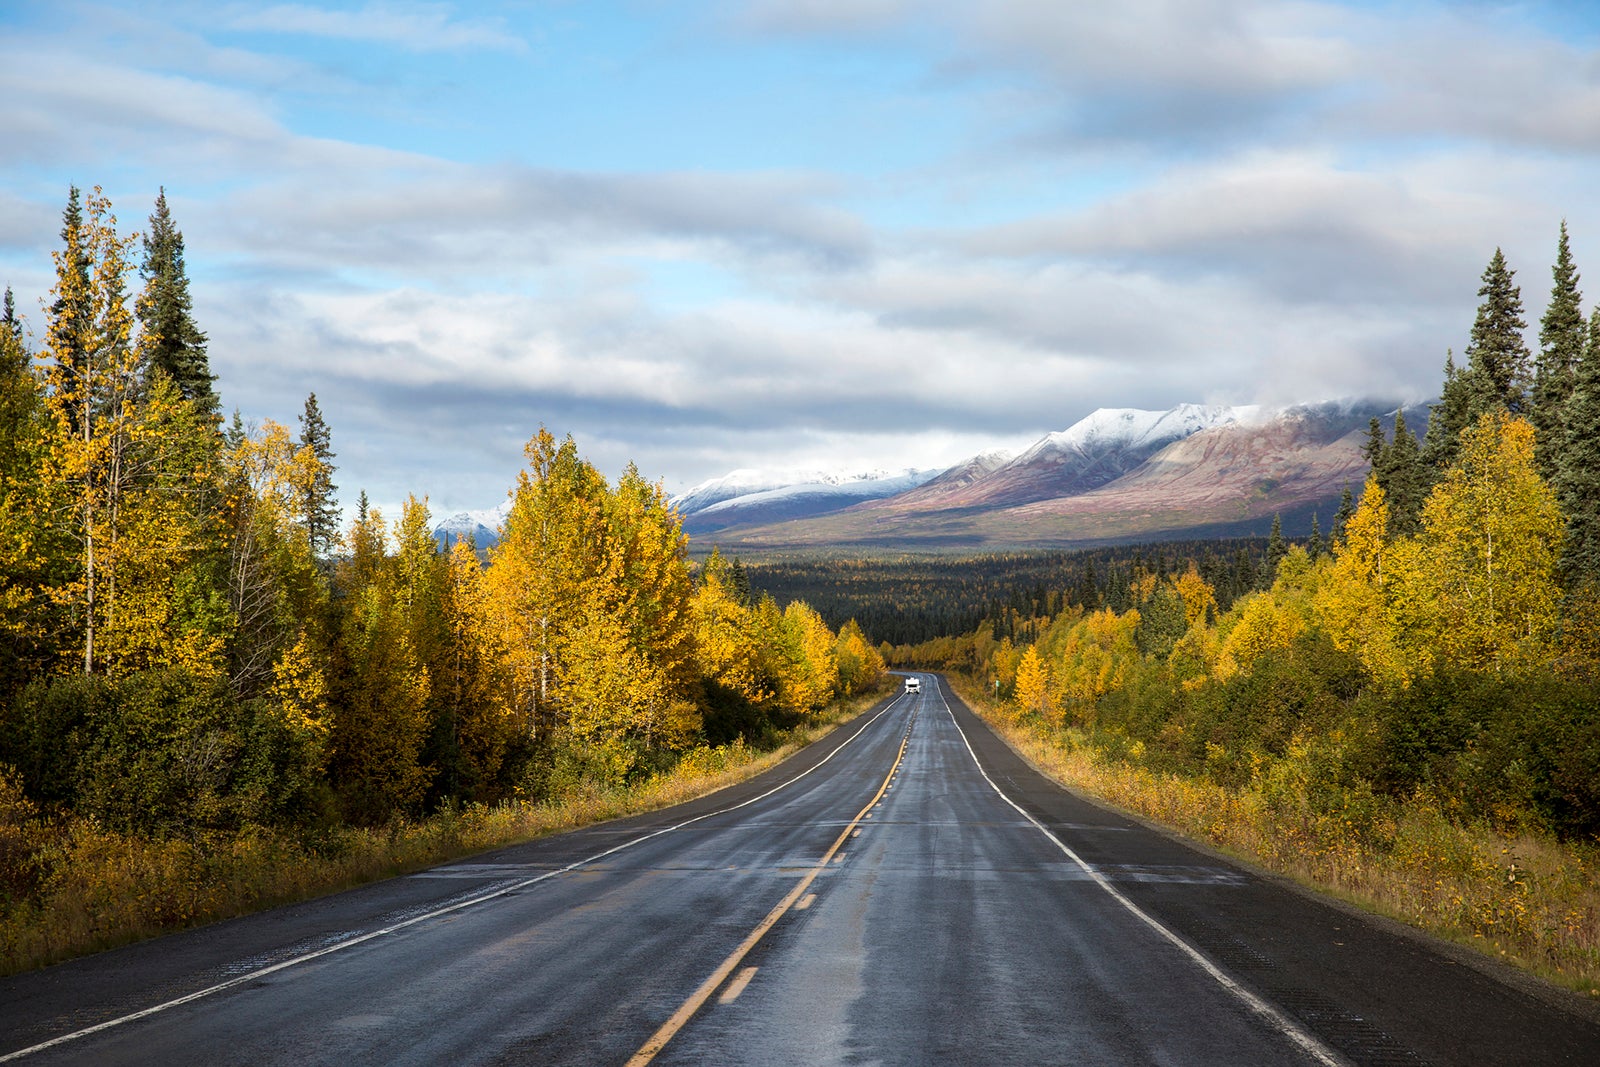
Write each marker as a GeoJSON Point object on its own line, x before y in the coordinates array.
{"type": "Point", "coordinates": [1117, 474]}
{"type": "Point", "coordinates": [483, 526]}
{"type": "Point", "coordinates": [736, 500]}
{"type": "Point", "coordinates": [1093, 451]}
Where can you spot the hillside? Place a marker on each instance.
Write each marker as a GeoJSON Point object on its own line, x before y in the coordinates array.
{"type": "Point", "coordinates": [1228, 476]}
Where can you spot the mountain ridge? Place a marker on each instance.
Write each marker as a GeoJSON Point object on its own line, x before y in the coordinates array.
{"type": "Point", "coordinates": [1117, 474]}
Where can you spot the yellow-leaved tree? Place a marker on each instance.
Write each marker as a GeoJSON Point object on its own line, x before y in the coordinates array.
{"type": "Point", "coordinates": [1100, 651]}
{"type": "Point", "coordinates": [726, 650]}
{"type": "Point", "coordinates": [859, 664]}
{"type": "Point", "coordinates": [1357, 600]}
{"type": "Point", "coordinates": [1483, 579]}
{"type": "Point", "coordinates": [1033, 683]}
{"type": "Point", "coordinates": [542, 573]}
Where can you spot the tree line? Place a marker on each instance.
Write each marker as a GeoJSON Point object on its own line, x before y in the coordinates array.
{"type": "Point", "coordinates": [191, 644]}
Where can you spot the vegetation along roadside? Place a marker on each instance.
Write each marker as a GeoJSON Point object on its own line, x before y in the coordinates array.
{"type": "Point", "coordinates": [213, 698]}
{"type": "Point", "coordinates": [1407, 715]}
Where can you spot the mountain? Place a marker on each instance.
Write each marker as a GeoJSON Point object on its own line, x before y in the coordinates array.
{"type": "Point", "coordinates": [1118, 475]}
{"type": "Point", "coordinates": [749, 497]}
{"type": "Point", "coordinates": [1092, 452]}
{"type": "Point", "coordinates": [482, 526]}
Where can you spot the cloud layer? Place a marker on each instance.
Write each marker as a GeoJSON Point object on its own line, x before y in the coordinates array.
{"type": "Point", "coordinates": [457, 224]}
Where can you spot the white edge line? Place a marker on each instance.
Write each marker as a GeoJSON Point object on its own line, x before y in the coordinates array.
{"type": "Point", "coordinates": [1281, 1022]}
{"type": "Point", "coordinates": [370, 935]}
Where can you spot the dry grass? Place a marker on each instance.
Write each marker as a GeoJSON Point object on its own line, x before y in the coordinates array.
{"type": "Point", "coordinates": [1529, 900]}
{"type": "Point", "coordinates": [105, 889]}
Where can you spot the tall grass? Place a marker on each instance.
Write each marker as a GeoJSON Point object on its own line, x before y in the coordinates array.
{"type": "Point", "coordinates": [1528, 899]}
{"type": "Point", "coordinates": [98, 889]}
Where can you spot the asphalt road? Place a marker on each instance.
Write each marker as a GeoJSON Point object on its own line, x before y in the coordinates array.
{"type": "Point", "coordinates": [906, 891]}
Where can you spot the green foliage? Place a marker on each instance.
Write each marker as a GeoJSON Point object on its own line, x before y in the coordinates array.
{"type": "Point", "coordinates": [1497, 359]}
{"type": "Point", "coordinates": [172, 344]}
{"type": "Point", "coordinates": [1562, 334]}
{"type": "Point", "coordinates": [319, 504]}
{"type": "Point", "coordinates": [161, 753]}
{"type": "Point", "coordinates": [1577, 478]}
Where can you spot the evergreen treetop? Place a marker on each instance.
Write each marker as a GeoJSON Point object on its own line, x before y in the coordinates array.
{"type": "Point", "coordinates": [1341, 518]}
{"type": "Point", "coordinates": [1561, 339]}
{"type": "Point", "coordinates": [172, 343]}
{"type": "Point", "coordinates": [1446, 421]}
{"type": "Point", "coordinates": [320, 506]}
{"type": "Point", "coordinates": [1577, 479]}
{"type": "Point", "coordinates": [1497, 356]}
{"type": "Point", "coordinates": [1404, 478]}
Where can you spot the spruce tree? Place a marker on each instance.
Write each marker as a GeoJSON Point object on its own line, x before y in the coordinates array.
{"type": "Point", "coordinates": [72, 312]}
{"type": "Point", "coordinates": [1497, 356]}
{"type": "Point", "coordinates": [1561, 340]}
{"type": "Point", "coordinates": [1341, 518]}
{"type": "Point", "coordinates": [320, 507]}
{"type": "Point", "coordinates": [1373, 449]}
{"type": "Point", "coordinates": [172, 342]}
{"type": "Point", "coordinates": [1315, 546]}
{"type": "Point", "coordinates": [1577, 479]}
{"type": "Point", "coordinates": [1446, 421]}
{"type": "Point", "coordinates": [1277, 548]}
{"type": "Point", "coordinates": [1404, 478]}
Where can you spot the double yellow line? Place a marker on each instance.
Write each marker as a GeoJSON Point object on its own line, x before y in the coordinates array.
{"type": "Point", "coordinates": [697, 1000]}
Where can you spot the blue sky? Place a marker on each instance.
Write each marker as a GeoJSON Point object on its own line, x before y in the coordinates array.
{"type": "Point", "coordinates": [802, 233]}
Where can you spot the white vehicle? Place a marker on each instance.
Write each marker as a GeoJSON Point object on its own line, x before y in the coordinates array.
{"type": "Point", "coordinates": [913, 685]}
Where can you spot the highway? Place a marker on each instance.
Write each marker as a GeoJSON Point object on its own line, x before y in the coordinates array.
{"type": "Point", "coordinates": [905, 891]}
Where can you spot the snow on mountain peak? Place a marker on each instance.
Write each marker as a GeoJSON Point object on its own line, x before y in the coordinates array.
{"type": "Point", "coordinates": [1106, 429]}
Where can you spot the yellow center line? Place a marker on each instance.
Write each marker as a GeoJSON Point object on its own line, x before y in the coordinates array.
{"type": "Point", "coordinates": [698, 998]}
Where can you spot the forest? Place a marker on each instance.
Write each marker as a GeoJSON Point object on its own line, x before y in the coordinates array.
{"type": "Point", "coordinates": [197, 661]}
{"type": "Point", "coordinates": [1407, 712]}
{"type": "Point", "coordinates": [917, 598]}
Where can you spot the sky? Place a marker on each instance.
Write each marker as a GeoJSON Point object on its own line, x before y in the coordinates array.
{"type": "Point", "coordinates": [802, 233]}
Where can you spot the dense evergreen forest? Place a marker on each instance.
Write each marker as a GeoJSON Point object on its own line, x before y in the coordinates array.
{"type": "Point", "coordinates": [915, 598]}
{"type": "Point", "coordinates": [192, 649]}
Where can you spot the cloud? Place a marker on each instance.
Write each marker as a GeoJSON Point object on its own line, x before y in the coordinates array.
{"type": "Point", "coordinates": [442, 221]}
{"type": "Point", "coordinates": [1298, 226]}
{"type": "Point", "coordinates": [416, 27]}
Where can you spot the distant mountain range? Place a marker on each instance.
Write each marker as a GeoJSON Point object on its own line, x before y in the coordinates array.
{"type": "Point", "coordinates": [1121, 474]}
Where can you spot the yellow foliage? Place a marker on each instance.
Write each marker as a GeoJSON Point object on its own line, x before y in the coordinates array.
{"type": "Point", "coordinates": [1354, 603]}
{"type": "Point", "coordinates": [1033, 683]}
{"type": "Point", "coordinates": [1485, 569]}
{"type": "Point", "coordinates": [1263, 625]}
{"type": "Point", "coordinates": [1199, 598]}
{"type": "Point", "coordinates": [300, 689]}
{"type": "Point", "coordinates": [1097, 658]}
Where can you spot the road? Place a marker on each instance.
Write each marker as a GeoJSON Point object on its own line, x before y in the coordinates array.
{"type": "Point", "coordinates": [906, 891]}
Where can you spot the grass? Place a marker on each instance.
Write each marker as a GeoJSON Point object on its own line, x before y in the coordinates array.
{"type": "Point", "coordinates": [1526, 899]}
{"type": "Point", "coordinates": [106, 889]}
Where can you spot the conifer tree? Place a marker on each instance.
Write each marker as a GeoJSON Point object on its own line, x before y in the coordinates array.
{"type": "Point", "coordinates": [1403, 475]}
{"type": "Point", "coordinates": [1373, 449]}
{"type": "Point", "coordinates": [1561, 340]}
{"type": "Point", "coordinates": [1577, 480]}
{"type": "Point", "coordinates": [172, 343]}
{"type": "Point", "coordinates": [1341, 518]}
{"type": "Point", "coordinates": [1277, 548]}
{"type": "Point", "coordinates": [1315, 547]}
{"type": "Point", "coordinates": [1497, 356]}
{"type": "Point", "coordinates": [1446, 421]}
{"type": "Point", "coordinates": [319, 506]}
